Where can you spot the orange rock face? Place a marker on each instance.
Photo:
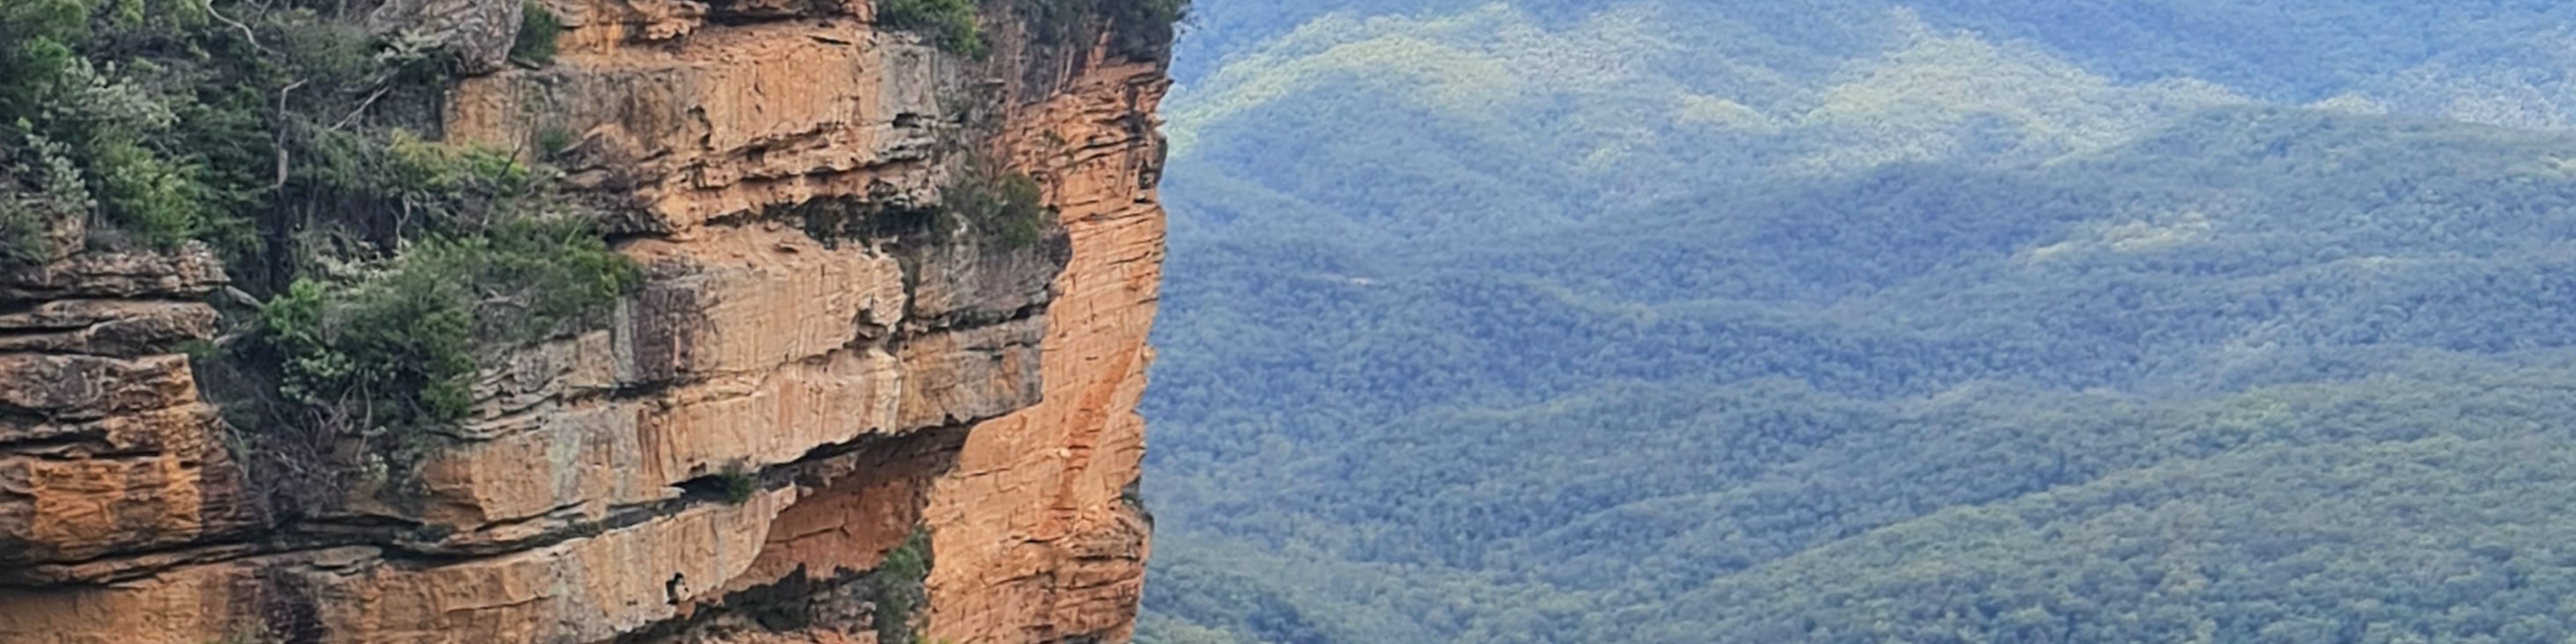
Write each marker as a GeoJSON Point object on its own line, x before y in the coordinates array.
{"type": "Point", "coordinates": [104, 445]}
{"type": "Point", "coordinates": [1037, 531]}
{"type": "Point", "coordinates": [840, 410]}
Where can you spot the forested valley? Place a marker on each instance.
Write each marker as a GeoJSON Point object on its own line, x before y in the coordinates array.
{"type": "Point", "coordinates": [1559, 321]}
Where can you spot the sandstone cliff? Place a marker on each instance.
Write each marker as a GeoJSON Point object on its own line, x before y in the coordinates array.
{"type": "Point", "coordinates": [826, 417]}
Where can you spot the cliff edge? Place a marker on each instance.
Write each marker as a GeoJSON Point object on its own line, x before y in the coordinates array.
{"type": "Point", "coordinates": [876, 382]}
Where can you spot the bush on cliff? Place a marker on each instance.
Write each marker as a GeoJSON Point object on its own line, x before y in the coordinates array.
{"type": "Point", "coordinates": [188, 120]}
{"type": "Point", "coordinates": [539, 28]}
{"type": "Point", "coordinates": [278, 132]}
{"type": "Point", "coordinates": [1137, 28]}
{"type": "Point", "coordinates": [39, 186]}
{"type": "Point", "coordinates": [111, 115]}
{"type": "Point", "coordinates": [1008, 206]}
{"type": "Point", "coordinates": [1145, 27]}
{"type": "Point", "coordinates": [949, 23]}
{"type": "Point", "coordinates": [389, 355]}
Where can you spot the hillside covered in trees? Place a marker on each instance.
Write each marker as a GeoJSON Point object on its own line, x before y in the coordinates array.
{"type": "Point", "coordinates": [1854, 321]}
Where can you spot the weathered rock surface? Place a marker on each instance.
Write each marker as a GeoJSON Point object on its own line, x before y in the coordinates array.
{"type": "Point", "coordinates": [104, 446]}
{"type": "Point", "coordinates": [1038, 541]}
{"type": "Point", "coordinates": [812, 375]}
{"type": "Point", "coordinates": [480, 32]}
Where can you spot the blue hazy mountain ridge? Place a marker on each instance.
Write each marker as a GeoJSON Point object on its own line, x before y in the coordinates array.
{"type": "Point", "coordinates": [1849, 321]}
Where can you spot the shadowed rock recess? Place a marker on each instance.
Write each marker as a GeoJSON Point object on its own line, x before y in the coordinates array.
{"type": "Point", "coordinates": [832, 413]}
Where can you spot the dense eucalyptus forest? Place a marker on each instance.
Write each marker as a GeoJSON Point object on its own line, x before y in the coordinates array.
{"type": "Point", "coordinates": [1866, 321]}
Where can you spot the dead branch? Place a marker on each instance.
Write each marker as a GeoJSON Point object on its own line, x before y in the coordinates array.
{"type": "Point", "coordinates": [247, 33]}
{"type": "Point", "coordinates": [362, 108]}
{"type": "Point", "coordinates": [279, 139]}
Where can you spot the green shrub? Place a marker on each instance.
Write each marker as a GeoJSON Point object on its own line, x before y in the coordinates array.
{"type": "Point", "coordinates": [154, 196]}
{"type": "Point", "coordinates": [155, 17]}
{"type": "Point", "coordinates": [395, 350]}
{"type": "Point", "coordinates": [1008, 208]}
{"type": "Point", "coordinates": [539, 28]}
{"type": "Point", "coordinates": [427, 168]}
{"type": "Point", "coordinates": [1020, 215]}
{"type": "Point", "coordinates": [1011, 207]}
{"type": "Point", "coordinates": [23, 231]}
{"type": "Point", "coordinates": [278, 134]}
{"type": "Point", "coordinates": [897, 584]}
{"type": "Point", "coordinates": [447, 187]}
{"type": "Point", "coordinates": [323, 53]}
{"type": "Point", "coordinates": [1146, 27]}
{"type": "Point", "coordinates": [112, 124]}
{"type": "Point", "coordinates": [115, 119]}
{"type": "Point", "coordinates": [39, 186]}
{"type": "Point", "coordinates": [36, 44]}
{"type": "Point", "coordinates": [1139, 28]}
{"type": "Point", "coordinates": [554, 140]}
{"type": "Point", "coordinates": [952, 24]}
{"type": "Point", "coordinates": [397, 345]}
{"type": "Point", "coordinates": [737, 484]}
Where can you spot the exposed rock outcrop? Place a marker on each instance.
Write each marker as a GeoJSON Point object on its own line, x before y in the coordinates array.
{"type": "Point", "coordinates": [479, 32]}
{"type": "Point", "coordinates": [836, 412]}
{"type": "Point", "coordinates": [105, 447]}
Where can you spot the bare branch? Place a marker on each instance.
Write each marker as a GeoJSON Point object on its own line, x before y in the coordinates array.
{"type": "Point", "coordinates": [362, 108]}
{"type": "Point", "coordinates": [279, 139]}
{"type": "Point", "coordinates": [247, 33]}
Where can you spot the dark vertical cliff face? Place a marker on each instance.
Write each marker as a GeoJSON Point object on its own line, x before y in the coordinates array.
{"type": "Point", "coordinates": [878, 383]}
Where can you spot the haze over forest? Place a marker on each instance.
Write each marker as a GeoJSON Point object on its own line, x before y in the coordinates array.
{"type": "Point", "coordinates": [1558, 321]}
